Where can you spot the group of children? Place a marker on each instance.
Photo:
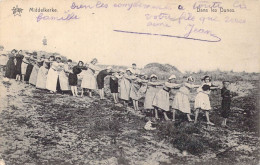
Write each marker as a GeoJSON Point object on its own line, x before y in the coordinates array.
{"type": "Point", "coordinates": [55, 76]}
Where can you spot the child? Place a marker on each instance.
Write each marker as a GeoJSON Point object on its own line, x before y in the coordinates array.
{"type": "Point", "coordinates": [181, 100]}
{"type": "Point", "coordinates": [207, 81]}
{"type": "Point", "coordinates": [134, 95]}
{"type": "Point", "coordinates": [162, 100]}
{"type": "Point", "coordinates": [152, 89]}
{"type": "Point", "coordinates": [18, 67]}
{"type": "Point", "coordinates": [226, 101]}
{"type": "Point", "coordinates": [125, 86]}
{"type": "Point", "coordinates": [202, 103]}
{"type": "Point", "coordinates": [101, 81]}
{"type": "Point", "coordinates": [114, 87]}
{"type": "Point", "coordinates": [73, 78]}
{"type": "Point", "coordinates": [89, 80]}
{"type": "Point", "coordinates": [42, 75]}
{"type": "Point", "coordinates": [29, 69]}
{"type": "Point", "coordinates": [24, 66]}
{"type": "Point", "coordinates": [143, 88]}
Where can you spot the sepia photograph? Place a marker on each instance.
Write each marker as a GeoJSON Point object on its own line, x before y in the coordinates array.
{"type": "Point", "coordinates": [129, 82]}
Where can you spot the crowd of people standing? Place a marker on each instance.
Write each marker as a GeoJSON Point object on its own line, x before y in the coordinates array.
{"type": "Point", "coordinates": [54, 75]}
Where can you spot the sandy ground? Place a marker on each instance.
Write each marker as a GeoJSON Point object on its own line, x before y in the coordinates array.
{"type": "Point", "coordinates": [37, 127]}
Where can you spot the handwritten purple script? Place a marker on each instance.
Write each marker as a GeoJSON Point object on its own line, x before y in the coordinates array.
{"type": "Point", "coordinates": [68, 16]}
{"type": "Point", "coordinates": [191, 30]}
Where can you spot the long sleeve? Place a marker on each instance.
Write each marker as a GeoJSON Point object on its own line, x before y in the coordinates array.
{"type": "Point", "coordinates": [155, 83]}
{"type": "Point", "coordinates": [172, 85]}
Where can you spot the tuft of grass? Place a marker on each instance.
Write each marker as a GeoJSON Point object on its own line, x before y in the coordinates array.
{"type": "Point", "coordinates": [187, 137]}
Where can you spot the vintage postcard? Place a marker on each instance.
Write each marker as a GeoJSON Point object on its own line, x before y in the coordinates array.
{"type": "Point", "coordinates": [129, 82]}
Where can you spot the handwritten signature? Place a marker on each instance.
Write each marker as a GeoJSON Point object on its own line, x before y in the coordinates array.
{"type": "Point", "coordinates": [68, 16]}
{"type": "Point", "coordinates": [191, 30]}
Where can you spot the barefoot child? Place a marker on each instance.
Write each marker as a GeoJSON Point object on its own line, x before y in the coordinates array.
{"type": "Point", "coordinates": [202, 103]}
{"type": "Point", "coordinates": [162, 100]}
{"type": "Point", "coordinates": [101, 81]}
{"type": "Point", "coordinates": [226, 101]}
{"type": "Point", "coordinates": [152, 89]}
{"type": "Point", "coordinates": [114, 87]}
{"type": "Point", "coordinates": [73, 78]}
{"type": "Point", "coordinates": [181, 100]}
{"type": "Point", "coordinates": [125, 86]}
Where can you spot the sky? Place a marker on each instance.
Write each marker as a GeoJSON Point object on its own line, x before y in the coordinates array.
{"type": "Point", "coordinates": [93, 35]}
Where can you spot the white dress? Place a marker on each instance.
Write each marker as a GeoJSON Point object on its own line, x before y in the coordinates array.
{"type": "Point", "coordinates": [162, 99]}
{"type": "Point", "coordinates": [42, 76]}
{"type": "Point", "coordinates": [57, 71]}
{"type": "Point", "coordinates": [23, 68]}
{"type": "Point", "coordinates": [136, 85]}
{"type": "Point", "coordinates": [34, 74]}
{"type": "Point", "coordinates": [125, 87]}
{"type": "Point", "coordinates": [181, 100]}
{"type": "Point", "coordinates": [89, 80]}
{"type": "Point", "coordinates": [202, 101]}
{"type": "Point", "coordinates": [149, 96]}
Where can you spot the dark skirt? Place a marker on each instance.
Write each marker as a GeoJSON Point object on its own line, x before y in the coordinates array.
{"type": "Point", "coordinates": [18, 66]}
{"type": "Point", "coordinates": [10, 69]}
{"type": "Point", "coordinates": [28, 72]}
{"type": "Point", "coordinates": [225, 108]}
{"type": "Point", "coordinates": [113, 86]}
{"type": "Point", "coordinates": [73, 79]}
{"type": "Point", "coordinates": [100, 83]}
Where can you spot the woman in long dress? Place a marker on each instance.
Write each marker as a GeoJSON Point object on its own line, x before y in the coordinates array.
{"type": "Point", "coordinates": [56, 78]}
{"type": "Point", "coordinates": [10, 66]}
{"type": "Point", "coordinates": [181, 100]}
{"type": "Point", "coordinates": [34, 74]}
{"type": "Point", "coordinates": [42, 73]}
{"type": "Point", "coordinates": [89, 80]}
{"type": "Point", "coordinates": [162, 100]}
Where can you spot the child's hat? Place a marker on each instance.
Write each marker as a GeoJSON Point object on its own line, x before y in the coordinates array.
{"type": "Point", "coordinates": [190, 79]}
{"type": "Point", "coordinates": [58, 56]}
{"type": "Point", "coordinates": [153, 76]}
{"type": "Point", "coordinates": [172, 77]}
{"type": "Point", "coordinates": [129, 69]}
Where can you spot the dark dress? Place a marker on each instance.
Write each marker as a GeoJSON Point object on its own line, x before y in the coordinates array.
{"type": "Point", "coordinates": [101, 78]}
{"type": "Point", "coordinates": [28, 72]}
{"type": "Point", "coordinates": [18, 66]}
{"type": "Point", "coordinates": [10, 68]}
{"type": "Point", "coordinates": [73, 78]}
{"type": "Point", "coordinates": [113, 85]}
{"type": "Point", "coordinates": [226, 101]}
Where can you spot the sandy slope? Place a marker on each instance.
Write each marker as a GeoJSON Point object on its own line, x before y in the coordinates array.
{"type": "Point", "coordinates": [42, 128]}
